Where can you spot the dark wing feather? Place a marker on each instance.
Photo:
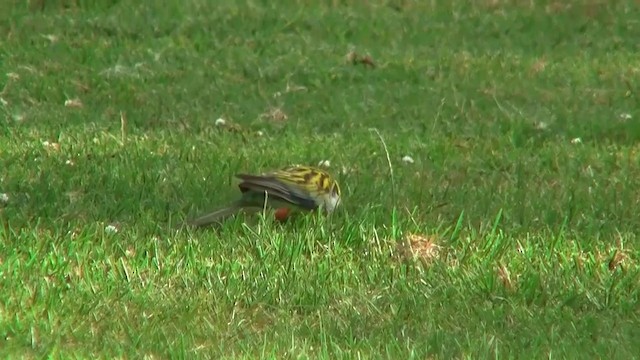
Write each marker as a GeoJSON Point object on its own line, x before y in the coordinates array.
{"type": "Point", "coordinates": [276, 189]}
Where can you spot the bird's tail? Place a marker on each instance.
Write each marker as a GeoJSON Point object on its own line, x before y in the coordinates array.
{"type": "Point", "coordinates": [214, 216]}
{"type": "Point", "coordinates": [220, 215]}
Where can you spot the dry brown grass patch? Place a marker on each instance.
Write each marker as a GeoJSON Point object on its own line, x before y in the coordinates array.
{"type": "Point", "coordinates": [423, 248]}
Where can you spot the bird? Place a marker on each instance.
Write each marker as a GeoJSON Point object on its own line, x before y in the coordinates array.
{"type": "Point", "coordinates": [288, 189]}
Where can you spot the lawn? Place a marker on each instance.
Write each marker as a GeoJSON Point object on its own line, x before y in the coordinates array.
{"type": "Point", "coordinates": [488, 154]}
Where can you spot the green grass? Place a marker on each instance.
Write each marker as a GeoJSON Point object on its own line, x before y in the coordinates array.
{"type": "Point", "coordinates": [535, 232]}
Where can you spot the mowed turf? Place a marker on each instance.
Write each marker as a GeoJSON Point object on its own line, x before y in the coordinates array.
{"type": "Point", "coordinates": [487, 153]}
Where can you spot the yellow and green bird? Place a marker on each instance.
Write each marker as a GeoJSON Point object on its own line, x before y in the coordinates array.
{"type": "Point", "coordinates": [291, 188]}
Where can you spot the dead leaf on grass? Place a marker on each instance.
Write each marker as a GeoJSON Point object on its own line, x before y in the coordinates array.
{"type": "Point", "coordinates": [538, 66]}
{"type": "Point", "coordinates": [505, 277]}
{"type": "Point", "coordinates": [73, 103]}
{"type": "Point", "coordinates": [354, 58]}
{"type": "Point", "coordinates": [617, 260]}
{"type": "Point", "coordinates": [275, 114]}
{"type": "Point", "coordinates": [420, 247]}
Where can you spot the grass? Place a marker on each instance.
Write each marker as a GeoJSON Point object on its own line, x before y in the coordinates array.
{"type": "Point", "coordinates": [511, 234]}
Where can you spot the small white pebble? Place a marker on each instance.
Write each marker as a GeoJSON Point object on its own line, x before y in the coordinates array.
{"type": "Point", "coordinates": [110, 229]}
{"type": "Point", "coordinates": [625, 116]}
{"type": "Point", "coordinates": [220, 122]}
{"type": "Point", "coordinates": [576, 140]}
{"type": "Point", "coordinates": [407, 159]}
{"type": "Point", "coordinates": [4, 198]}
{"type": "Point", "coordinates": [324, 163]}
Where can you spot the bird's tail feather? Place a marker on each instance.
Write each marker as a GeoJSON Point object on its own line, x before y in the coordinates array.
{"type": "Point", "coordinates": [218, 216]}
{"type": "Point", "coordinates": [215, 216]}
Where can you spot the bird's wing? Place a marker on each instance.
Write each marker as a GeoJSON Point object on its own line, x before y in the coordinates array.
{"type": "Point", "coordinates": [277, 189]}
